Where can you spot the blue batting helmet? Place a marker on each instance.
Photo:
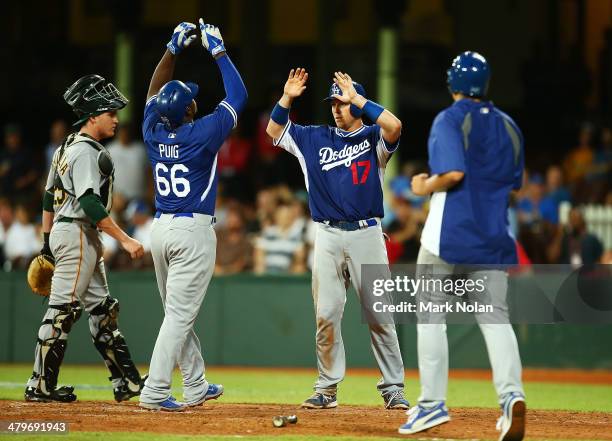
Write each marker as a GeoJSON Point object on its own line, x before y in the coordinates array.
{"type": "Point", "coordinates": [335, 90]}
{"type": "Point", "coordinates": [173, 99]}
{"type": "Point", "coordinates": [469, 74]}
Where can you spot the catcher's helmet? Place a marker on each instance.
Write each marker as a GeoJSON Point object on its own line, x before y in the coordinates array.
{"type": "Point", "coordinates": [92, 95]}
{"type": "Point", "coordinates": [173, 99]}
{"type": "Point", "coordinates": [469, 74]}
{"type": "Point", "coordinates": [334, 89]}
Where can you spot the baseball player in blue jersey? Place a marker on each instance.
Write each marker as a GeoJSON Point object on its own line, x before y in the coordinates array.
{"type": "Point", "coordinates": [476, 160]}
{"type": "Point", "coordinates": [183, 153]}
{"type": "Point", "coordinates": [343, 170]}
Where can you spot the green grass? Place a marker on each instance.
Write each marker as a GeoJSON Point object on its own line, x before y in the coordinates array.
{"type": "Point", "coordinates": [293, 386]}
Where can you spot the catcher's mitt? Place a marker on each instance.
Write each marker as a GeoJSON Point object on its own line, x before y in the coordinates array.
{"type": "Point", "coordinates": [40, 273]}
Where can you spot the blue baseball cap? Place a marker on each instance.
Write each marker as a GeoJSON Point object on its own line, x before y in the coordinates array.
{"type": "Point", "coordinates": [335, 90]}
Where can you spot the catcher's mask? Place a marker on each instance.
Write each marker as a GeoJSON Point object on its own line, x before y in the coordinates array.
{"type": "Point", "coordinates": [92, 95]}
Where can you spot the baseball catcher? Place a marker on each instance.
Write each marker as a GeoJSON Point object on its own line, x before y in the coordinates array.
{"type": "Point", "coordinates": [70, 268]}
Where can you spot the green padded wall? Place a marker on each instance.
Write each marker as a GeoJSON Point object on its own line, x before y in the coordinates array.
{"type": "Point", "coordinates": [269, 321]}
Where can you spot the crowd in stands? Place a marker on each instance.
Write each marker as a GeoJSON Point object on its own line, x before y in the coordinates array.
{"type": "Point", "coordinates": [263, 224]}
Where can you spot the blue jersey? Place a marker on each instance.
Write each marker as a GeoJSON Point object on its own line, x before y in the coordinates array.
{"type": "Point", "coordinates": [469, 223]}
{"type": "Point", "coordinates": [184, 159]}
{"type": "Point", "coordinates": [343, 171]}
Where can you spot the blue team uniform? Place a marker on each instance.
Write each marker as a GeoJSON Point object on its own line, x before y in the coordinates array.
{"type": "Point", "coordinates": [183, 242]}
{"type": "Point", "coordinates": [469, 223]}
{"type": "Point", "coordinates": [343, 171]}
{"type": "Point", "coordinates": [184, 159]}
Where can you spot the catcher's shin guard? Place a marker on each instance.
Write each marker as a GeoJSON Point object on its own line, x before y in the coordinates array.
{"type": "Point", "coordinates": [50, 350]}
{"type": "Point", "coordinates": [112, 346]}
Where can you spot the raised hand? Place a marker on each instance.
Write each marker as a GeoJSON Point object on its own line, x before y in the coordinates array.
{"type": "Point", "coordinates": [296, 83]}
{"type": "Point", "coordinates": [180, 38]}
{"type": "Point", "coordinates": [345, 83]}
{"type": "Point", "coordinates": [211, 38]}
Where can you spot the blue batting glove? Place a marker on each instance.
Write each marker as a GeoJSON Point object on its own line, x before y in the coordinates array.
{"type": "Point", "coordinates": [180, 40]}
{"type": "Point", "coordinates": [211, 38]}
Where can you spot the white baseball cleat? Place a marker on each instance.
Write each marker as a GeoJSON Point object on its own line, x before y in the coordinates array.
{"type": "Point", "coordinates": [512, 422]}
{"type": "Point", "coordinates": [423, 418]}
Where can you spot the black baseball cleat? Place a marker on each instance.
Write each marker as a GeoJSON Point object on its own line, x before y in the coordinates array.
{"type": "Point", "coordinates": [64, 394]}
{"type": "Point", "coordinates": [320, 401]}
{"type": "Point", "coordinates": [396, 400]}
{"type": "Point", "coordinates": [128, 389]}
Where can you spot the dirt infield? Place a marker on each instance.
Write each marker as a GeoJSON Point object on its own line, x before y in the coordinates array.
{"type": "Point", "coordinates": [256, 419]}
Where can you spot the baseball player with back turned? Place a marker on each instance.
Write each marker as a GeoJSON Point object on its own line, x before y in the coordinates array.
{"type": "Point", "coordinates": [183, 153]}
{"type": "Point", "coordinates": [343, 170]}
{"type": "Point", "coordinates": [76, 204]}
{"type": "Point", "coordinates": [476, 159]}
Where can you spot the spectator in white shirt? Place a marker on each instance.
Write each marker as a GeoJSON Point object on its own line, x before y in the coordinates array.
{"type": "Point", "coordinates": [138, 214]}
{"type": "Point", "coordinates": [280, 247]}
{"type": "Point", "coordinates": [22, 242]}
{"type": "Point", "coordinates": [131, 165]}
{"type": "Point", "coordinates": [6, 219]}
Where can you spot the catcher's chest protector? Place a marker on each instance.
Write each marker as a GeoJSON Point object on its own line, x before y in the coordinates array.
{"type": "Point", "coordinates": [106, 167]}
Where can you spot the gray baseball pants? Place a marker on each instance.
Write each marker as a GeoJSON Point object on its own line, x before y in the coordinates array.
{"type": "Point", "coordinates": [338, 256]}
{"type": "Point", "coordinates": [184, 250]}
{"type": "Point", "coordinates": [79, 275]}
{"type": "Point", "coordinates": [500, 340]}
